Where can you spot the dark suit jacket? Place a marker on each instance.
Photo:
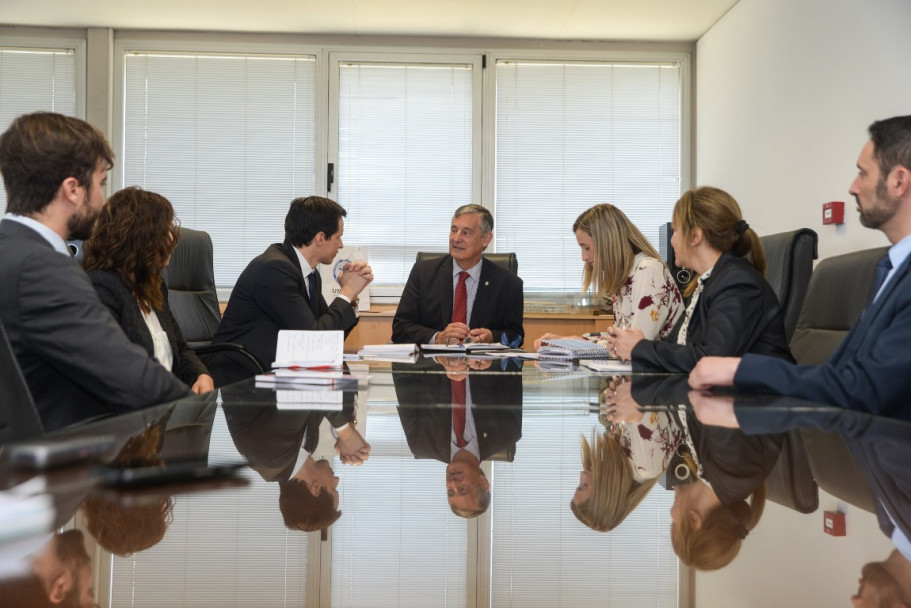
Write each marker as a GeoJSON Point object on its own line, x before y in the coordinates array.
{"type": "Point", "coordinates": [271, 439]}
{"type": "Point", "coordinates": [425, 410]}
{"type": "Point", "coordinates": [737, 313]}
{"type": "Point", "coordinates": [881, 447]}
{"type": "Point", "coordinates": [869, 371]}
{"type": "Point", "coordinates": [115, 294]}
{"type": "Point", "coordinates": [426, 304]}
{"type": "Point", "coordinates": [75, 358]}
{"type": "Point", "coordinates": [271, 294]}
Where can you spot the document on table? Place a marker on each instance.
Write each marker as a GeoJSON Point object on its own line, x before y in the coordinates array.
{"type": "Point", "coordinates": [308, 400]}
{"type": "Point", "coordinates": [470, 347]}
{"type": "Point", "coordinates": [301, 348]}
{"type": "Point", "coordinates": [608, 365]}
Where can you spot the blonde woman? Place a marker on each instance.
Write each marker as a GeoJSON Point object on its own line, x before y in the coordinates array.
{"type": "Point", "coordinates": [623, 268]}
{"type": "Point", "coordinates": [621, 466]}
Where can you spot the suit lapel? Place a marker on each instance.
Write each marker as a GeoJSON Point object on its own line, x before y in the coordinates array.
{"type": "Point", "coordinates": [444, 288]}
{"type": "Point", "coordinates": [870, 315]}
{"type": "Point", "coordinates": [482, 301]}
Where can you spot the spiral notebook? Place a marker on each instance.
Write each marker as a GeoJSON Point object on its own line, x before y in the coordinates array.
{"type": "Point", "coordinates": [572, 348]}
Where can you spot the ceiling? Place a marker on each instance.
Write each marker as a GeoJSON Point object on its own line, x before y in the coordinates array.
{"type": "Point", "coordinates": [659, 20]}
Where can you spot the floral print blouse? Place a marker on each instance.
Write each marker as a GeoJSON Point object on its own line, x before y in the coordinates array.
{"type": "Point", "coordinates": [649, 299]}
{"type": "Point", "coordinates": [649, 444]}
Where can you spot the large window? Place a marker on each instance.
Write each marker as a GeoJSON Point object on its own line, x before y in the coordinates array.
{"type": "Point", "coordinates": [35, 79]}
{"type": "Point", "coordinates": [572, 135]}
{"type": "Point", "coordinates": [230, 140]}
{"type": "Point", "coordinates": [405, 156]}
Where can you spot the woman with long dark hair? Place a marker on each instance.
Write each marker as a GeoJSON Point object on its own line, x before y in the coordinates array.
{"type": "Point", "coordinates": [130, 247]}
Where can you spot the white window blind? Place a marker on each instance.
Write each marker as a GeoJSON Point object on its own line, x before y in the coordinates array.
{"type": "Point", "coordinates": [397, 542]}
{"type": "Point", "coordinates": [404, 159]}
{"type": "Point", "coordinates": [543, 556]}
{"type": "Point", "coordinates": [570, 135]}
{"type": "Point", "coordinates": [33, 80]}
{"type": "Point", "coordinates": [230, 140]}
{"type": "Point", "coordinates": [229, 547]}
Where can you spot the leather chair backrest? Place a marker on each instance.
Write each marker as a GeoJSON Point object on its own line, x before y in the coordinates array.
{"type": "Point", "coordinates": [190, 278]}
{"type": "Point", "coordinates": [506, 260]}
{"type": "Point", "coordinates": [836, 295]}
{"type": "Point", "coordinates": [789, 264]}
{"type": "Point", "coordinates": [19, 419]}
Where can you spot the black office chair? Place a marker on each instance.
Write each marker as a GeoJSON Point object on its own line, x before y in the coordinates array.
{"type": "Point", "coordinates": [190, 278]}
{"type": "Point", "coordinates": [789, 264]}
{"type": "Point", "coordinates": [836, 295]}
{"type": "Point", "coordinates": [506, 260]}
{"type": "Point", "coordinates": [19, 418]}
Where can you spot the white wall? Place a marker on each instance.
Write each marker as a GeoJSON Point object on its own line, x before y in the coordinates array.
{"type": "Point", "coordinates": [789, 561]}
{"type": "Point", "coordinates": [785, 90]}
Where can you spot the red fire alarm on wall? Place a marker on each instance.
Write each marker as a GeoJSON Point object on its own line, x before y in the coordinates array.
{"type": "Point", "coordinates": [834, 523]}
{"type": "Point", "coordinates": [833, 213]}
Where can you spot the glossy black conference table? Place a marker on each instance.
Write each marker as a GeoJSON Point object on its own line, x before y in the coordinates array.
{"type": "Point", "coordinates": [398, 543]}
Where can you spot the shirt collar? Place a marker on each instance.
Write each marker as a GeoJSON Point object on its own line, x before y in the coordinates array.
{"type": "Point", "coordinates": [49, 235]}
{"type": "Point", "coordinates": [899, 252]}
{"type": "Point", "coordinates": [305, 265]}
{"type": "Point", "coordinates": [474, 272]}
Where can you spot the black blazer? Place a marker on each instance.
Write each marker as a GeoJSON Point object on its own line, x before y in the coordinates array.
{"type": "Point", "coordinates": [271, 294]}
{"type": "Point", "coordinates": [425, 410]}
{"type": "Point", "coordinates": [115, 294]}
{"type": "Point", "coordinates": [881, 447]}
{"type": "Point", "coordinates": [736, 464]}
{"type": "Point", "coordinates": [868, 372]}
{"type": "Point", "coordinates": [426, 304]}
{"type": "Point", "coordinates": [75, 358]}
{"type": "Point", "coordinates": [737, 313]}
{"type": "Point", "coordinates": [271, 439]}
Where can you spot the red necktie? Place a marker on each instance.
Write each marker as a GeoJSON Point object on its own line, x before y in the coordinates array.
{"type": "Point", "coordinates": [458, 411]}
{"type": "Point", "coordinates": [460, 305]}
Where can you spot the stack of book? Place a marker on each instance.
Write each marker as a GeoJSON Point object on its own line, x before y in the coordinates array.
{"type": "Point", "coordinates": [569, 349]}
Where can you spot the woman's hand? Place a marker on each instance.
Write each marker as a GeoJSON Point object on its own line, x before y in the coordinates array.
{"type": "Point", "coordinates": [622, 341]}
{"type": "Point", "coordinates": [617, 403]}
{"type": "Point", "coordinates": [204, 383]}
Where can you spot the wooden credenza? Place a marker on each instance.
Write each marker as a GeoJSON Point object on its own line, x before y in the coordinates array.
{"type": "Point", "coordinates": [375, 327]}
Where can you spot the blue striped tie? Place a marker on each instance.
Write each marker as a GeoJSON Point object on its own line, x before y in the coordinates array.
{"type": "Point", "coordinates": [883, 266]}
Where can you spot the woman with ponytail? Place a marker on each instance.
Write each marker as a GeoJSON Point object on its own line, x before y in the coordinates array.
{"type": "Point", "coordinates": [713, 515]}
{"type": "Point", "coordinates": [732, 310]}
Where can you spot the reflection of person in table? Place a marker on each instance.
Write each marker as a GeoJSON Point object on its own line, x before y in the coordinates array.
{"type": "Point", "coordinates": [491, 420]}
{"type": "Point", "coordinates": [713, 515]}
{"type": "Point", "coordinates": [279, 444]}
{"type": "Point", "coordinates": [621, 465]}
{"type": "Point", "coordinates": [879, 446]}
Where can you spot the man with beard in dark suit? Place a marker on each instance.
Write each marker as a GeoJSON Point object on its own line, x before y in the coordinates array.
{"type": "Point", "coordinates": [74, 356]}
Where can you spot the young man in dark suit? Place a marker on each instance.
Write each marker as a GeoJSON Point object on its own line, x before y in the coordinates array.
{"type": "Point", "coordinates": [281, 289]}
{"type": "Point", "coordinates": [76, 360]}
{"type": "Point", "coordinates": [461, 296]}
{"type": "Point", "coordinates": [869, 371]}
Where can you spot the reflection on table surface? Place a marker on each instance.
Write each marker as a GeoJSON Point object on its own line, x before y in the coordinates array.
{"type": "Point", "coordinates": [469, 483]}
